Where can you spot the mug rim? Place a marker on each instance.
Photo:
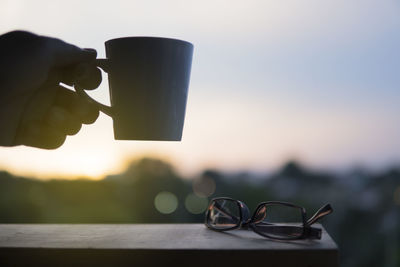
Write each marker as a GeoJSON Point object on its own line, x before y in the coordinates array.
{"type": "Point", "coordinates": [148, 37]}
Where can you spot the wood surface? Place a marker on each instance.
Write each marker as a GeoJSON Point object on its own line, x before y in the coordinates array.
{"type": "Point", "coordinates": [154, 245]}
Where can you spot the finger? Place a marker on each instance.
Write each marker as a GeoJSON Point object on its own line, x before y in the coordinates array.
{"type": "Point", "coordinates": [65, 54]}
{"type": "Point", "coordinates": [86, 112]}
{"type": "Point", "coordinates": [62, 120]}
{"type": "Point", "coordinates": [39, 103]}
{"type": "Point", "coordinates": [86, 75]}
{"type": "Point", "coordinates": [91, 50]}
{"type": "Point", "coordinates": [41, 136]}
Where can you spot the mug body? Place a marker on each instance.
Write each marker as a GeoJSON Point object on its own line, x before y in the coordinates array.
{"type": "Point", "coordinates": [148, 79]}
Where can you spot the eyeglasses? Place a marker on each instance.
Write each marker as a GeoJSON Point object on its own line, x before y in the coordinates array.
{"type": "Point", "coordinates": [272, 219]}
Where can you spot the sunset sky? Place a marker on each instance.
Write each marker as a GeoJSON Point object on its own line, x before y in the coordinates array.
{"type": "Point", "coordinates": [317, 81]}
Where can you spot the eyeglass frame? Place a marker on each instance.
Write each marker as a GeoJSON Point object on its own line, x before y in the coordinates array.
{"type": "Point", "coordinates": [248, 222]}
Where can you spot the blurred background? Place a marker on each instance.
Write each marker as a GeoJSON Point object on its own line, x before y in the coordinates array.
{"type": "Point", "coordinates": [289, 100]}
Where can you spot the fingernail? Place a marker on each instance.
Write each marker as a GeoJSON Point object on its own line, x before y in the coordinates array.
{"type": "Point", "coordinates": [91, 50]}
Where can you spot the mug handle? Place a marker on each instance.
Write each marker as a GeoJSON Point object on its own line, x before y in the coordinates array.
{"type": "Point", "coordinates": [104, 64]}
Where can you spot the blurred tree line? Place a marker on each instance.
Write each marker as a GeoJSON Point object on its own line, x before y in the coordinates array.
{"type": "Point", "coordinates": [365, 222]}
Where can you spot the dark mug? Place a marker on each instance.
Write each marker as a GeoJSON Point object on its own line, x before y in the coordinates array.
{"type": "Point", "coordinates": [148, 79]}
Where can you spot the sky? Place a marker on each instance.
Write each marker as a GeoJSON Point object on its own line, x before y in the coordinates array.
{"type": "Point", "coordinates": [316, 81]}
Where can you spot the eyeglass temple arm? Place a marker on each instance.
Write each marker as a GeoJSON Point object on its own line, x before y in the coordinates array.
{"type": "Point", "coordinates": [314, 233]}
{"type": "Point", "coordinates": [224, 211]}
{"type": "Point", "coordinates": [322, 212]}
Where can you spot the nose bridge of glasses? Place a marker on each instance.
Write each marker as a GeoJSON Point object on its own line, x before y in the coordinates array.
{"type": "Point", "coordinates": [322, 212]}
{"type": "Point", "coordinates": [245, 212]}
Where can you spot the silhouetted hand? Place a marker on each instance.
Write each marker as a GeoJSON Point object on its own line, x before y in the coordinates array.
{"type": "Point", "coordinates": [35, 110]}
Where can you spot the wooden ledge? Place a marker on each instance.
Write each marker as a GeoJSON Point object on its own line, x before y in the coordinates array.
{"type": "Point", "coordinates": [154, 245]}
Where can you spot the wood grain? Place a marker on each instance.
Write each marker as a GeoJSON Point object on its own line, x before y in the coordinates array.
{"type": "Point", "coordinates": [154, 245]}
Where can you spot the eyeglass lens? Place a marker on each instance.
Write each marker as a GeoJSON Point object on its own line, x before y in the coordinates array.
{"type": "Point", "coordinates": [223, 214]}
{"type": "Point", "coordinates": [279, 221]}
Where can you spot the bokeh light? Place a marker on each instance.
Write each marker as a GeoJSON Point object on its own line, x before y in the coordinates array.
{"type": "Point", "coordinates": [166, 202]}
{"type": "Point", "coordinates": [195, 204]}
{"type": "Point", "coordinates": [203, 186]}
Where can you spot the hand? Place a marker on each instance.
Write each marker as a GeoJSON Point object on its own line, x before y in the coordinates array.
{"type": "Point", "coordinates": [35, 109]}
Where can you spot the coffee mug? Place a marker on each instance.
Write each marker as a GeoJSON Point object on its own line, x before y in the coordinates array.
{"type": "Point", "coordinates": [148, 79]}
